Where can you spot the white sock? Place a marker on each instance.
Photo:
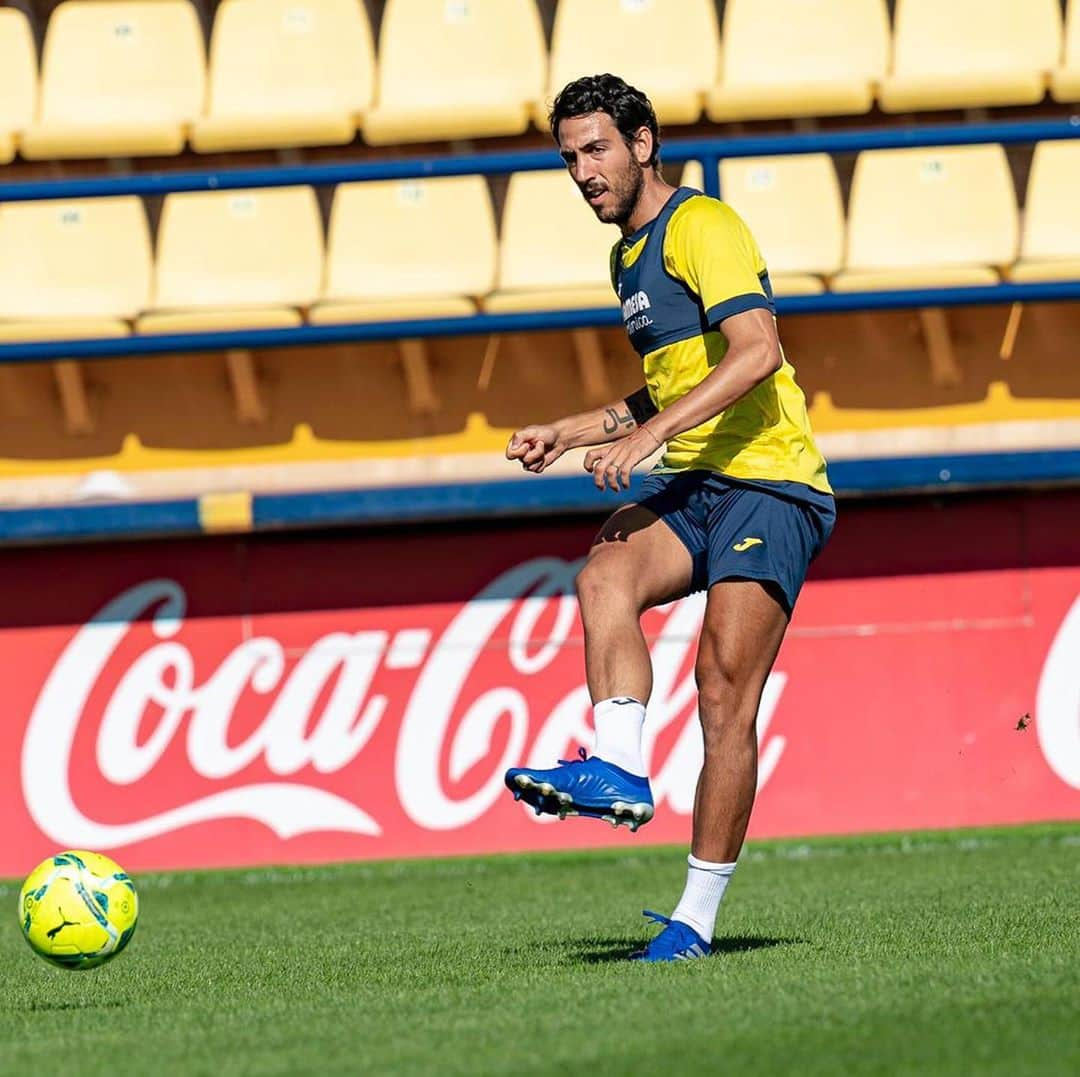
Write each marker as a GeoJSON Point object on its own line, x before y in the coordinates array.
{"type": "Point", "coordinates": [618, 723]}
{"type": "Point", "coordinates": [705, 886]}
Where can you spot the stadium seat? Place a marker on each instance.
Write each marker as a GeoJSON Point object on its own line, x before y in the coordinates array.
{"type": "Point", "coordinates": [553, 252]}
{"type": "Point", "coordinates": [971, 53]}
{"type": "Point", "coordinates": [18, 79]}
{"type": "Point", "coordinates": [668, 48]}
{"type": "Point", "coordinates": [408, 249]}
{"type": "Point", "coordinates": [785, 58]}
{"type": "Point", "coordinates": [793, 206]}
{"type": "Point", "coordinates": [73, 268]}
{"type": "Point", "coordinates": [456, 69]}
{"type": "Point", "coordinates": [118, 77]}
{"type": "Point", "coordinates": [1065, 81]}
{"type": "Point", "coordinates": [236, 260]}
{"type": "Point", "coordinates": [1050, 242]}
{"type": "Point", "coordinates": [284, 73]}
{"type": "Point", "coordinates": [924, 218]}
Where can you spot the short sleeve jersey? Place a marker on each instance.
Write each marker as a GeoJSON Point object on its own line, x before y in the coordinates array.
{"type": "Point", "coordinates": [678, 277]}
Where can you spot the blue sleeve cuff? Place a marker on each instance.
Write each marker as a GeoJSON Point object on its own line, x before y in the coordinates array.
{"type": "Point", "coordinates": [738, 304]}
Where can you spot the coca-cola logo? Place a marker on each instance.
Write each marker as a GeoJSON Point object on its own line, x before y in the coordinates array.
{"type": "Point", "coordinates": [321, 712]}
{"type": "Point", "coordinates": [1057, 705]}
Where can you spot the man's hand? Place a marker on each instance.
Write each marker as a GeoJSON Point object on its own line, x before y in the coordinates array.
{"type": "Point", "coordinates": [611, 465]}
{"type": "Point", "coordinates": [537, 447]}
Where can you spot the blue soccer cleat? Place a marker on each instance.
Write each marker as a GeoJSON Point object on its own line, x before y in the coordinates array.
{"type": "Point", "coordinates": [584, 786]}
{"type": "Point", "coordinates": [677, 942]}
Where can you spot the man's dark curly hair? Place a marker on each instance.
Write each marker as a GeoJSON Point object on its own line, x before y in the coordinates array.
{"type": "Point", "coordinates": [627, 106]}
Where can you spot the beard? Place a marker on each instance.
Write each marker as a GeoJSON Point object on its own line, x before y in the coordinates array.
{"type": "Point", "coordinates": [624, 191]}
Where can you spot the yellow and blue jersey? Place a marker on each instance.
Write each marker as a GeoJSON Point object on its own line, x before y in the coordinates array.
{"type": "Point", "coordinates": [678, 277]}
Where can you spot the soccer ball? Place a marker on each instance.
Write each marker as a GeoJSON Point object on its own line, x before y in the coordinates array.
{"type": "Point", "coordinates": [78, 909]}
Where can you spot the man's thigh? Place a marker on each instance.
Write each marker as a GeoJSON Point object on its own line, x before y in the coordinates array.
{"type": "Point", "coordinates": [640, 554]}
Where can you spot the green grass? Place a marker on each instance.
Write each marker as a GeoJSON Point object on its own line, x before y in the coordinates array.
{"type": "Point", "coordinates": [932, 954]}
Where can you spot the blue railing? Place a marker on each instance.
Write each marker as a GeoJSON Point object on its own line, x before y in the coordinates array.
{"type": "Point", "coordinates": [709, 151]}
{"type": "Point", "coordinates": [516, 497]}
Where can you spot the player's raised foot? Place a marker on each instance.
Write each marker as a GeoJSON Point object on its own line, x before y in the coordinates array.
{"type": "Point", "coordinates": [584, 786]}
{"type": "Point", "coordinates": [677, 942]}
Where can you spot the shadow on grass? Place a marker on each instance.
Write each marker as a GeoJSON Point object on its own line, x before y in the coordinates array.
{"type": "Point", "coordinates": [598, 951]}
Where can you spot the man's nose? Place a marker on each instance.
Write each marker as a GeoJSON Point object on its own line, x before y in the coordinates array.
{"type": "Point", "coordinates": [584, 170]}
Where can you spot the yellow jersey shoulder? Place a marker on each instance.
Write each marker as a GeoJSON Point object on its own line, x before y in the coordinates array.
{"type": "Point", "coordinates": [702, 221]}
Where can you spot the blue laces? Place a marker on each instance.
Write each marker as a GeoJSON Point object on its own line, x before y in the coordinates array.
{"type": "Point", "coordinates": [583, 757]}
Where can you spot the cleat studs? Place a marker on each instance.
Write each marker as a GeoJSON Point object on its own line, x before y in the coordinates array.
{"type": "Point", "coordinates": [546, 788]}
{"type": "Point", "coordinates": [522, 781]}
{"type": "Point", "coordinates": [564, 798]}
{"type": "Point", "coordinates": [517, 794]}
{"type": "Point", "coordinates": [539, 809]}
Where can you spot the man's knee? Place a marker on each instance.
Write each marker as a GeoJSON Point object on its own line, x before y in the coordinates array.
{"type": "Point", "coordinates": [727, 702]}
{"type": "Point", "coordinates": [600, 584]}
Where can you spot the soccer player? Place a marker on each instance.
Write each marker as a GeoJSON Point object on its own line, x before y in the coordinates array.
{"type": "Point", "coordinates": [739, 504]}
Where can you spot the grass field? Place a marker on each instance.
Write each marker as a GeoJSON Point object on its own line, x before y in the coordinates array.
{"type": "Point", "coordinates": [930, 954]}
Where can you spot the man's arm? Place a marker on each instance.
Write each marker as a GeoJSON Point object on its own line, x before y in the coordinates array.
{"type": "Point", "coordinates": [753, 355]}
{"type": "Point", "coordinates": [537, 447]}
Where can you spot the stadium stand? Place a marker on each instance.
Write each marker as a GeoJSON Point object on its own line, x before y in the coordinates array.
{"type": "Point", "coordinates": [118, 77]}
{"type": "Point", "coordinates": [1065, 81]}
{"type": "Point", "coordinates": [784, 58]}
{"type": "Point", "coordinates": [286, 74]}
{"type": "Point", "coordinates": [1050, 243]}
{"type": "Point", "coordinates": [971, 53]}
{"type": "Point", "coordinates": [18, 79]}
{"type": "Point", "coordinates": [236, 259]}
{"type": "Point", "coordinates": [793, 207]}
{"type": "Point", "coordinates": [456, 69]}
{"type": "Point", "coordinates": [929, 218]}
{"type": "Point", "coordinates": [70, 270]}
{"type": "Point", "coordinates": [671, 48]}
{"type": "Point", "coordinates": [67, 269]}
{"type": "Point", "coordinates": [408, 248]}
{"type": "Point", "coordinates": [553, 253]}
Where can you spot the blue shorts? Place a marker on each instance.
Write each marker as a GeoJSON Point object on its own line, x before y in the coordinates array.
{"type": "Point", "coordinates": [738, 529]}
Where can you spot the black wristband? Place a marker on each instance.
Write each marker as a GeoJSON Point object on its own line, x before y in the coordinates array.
{"type": "Point", "coordinates": [641, 406]}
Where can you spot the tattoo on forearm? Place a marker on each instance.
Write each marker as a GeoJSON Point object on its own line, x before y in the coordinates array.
{"type": "Point", "coordinates": [613, 419]}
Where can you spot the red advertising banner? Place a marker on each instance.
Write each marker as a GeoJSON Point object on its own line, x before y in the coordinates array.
{"type": "Point", "coordinates": [319, 697]}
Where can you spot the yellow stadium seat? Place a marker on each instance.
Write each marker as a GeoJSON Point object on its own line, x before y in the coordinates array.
{"type": "Point", "coordinates": [118, 77]}
{"type": "Point", "coordinates": [1050, 242]}
{"type": "Point", "coordinates": [924, 218]}
{"type": "Point", "coordinates": [236, 260]}
{"type": "Point", "coordinates": [1065, 81]}
{"type": "Point", "coordinates": [800, 58]}
{"type": "Point", "coordinates": [971, 53]}
{"type": "Point", "coordinates": [72, 268]}
{"type": "Point", "coordinates": [18, 79]}
{"type": "Point", "coordinates": [553, 252]}
{"type": "Point", "coordinates": [286, 73]}
{"type": "Point", "coordinates": [408, 249]}
{"type": "Point", "coordinates": [667, 48]}
{"type": "Point", "coordinates": [456, 69]}
{"type": "Point", "coordinates": [793, 206]}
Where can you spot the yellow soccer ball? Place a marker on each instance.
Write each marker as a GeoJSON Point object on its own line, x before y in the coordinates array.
{"type": "Point", "coordinates": [78, 909]}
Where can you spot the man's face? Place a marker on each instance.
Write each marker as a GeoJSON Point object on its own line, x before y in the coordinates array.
{"type": "Point", "coordinates": [602, 165]}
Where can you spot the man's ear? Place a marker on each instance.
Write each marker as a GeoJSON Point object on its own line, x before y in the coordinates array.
{"type": "Point", "coordinates": [642, 145]}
